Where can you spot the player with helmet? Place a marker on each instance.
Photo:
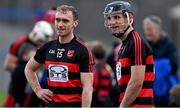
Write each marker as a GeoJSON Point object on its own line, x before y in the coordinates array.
{"type": "Point", "coordinates": [135, 66]}
{"type": "Point", "coordinates": [41, 33]}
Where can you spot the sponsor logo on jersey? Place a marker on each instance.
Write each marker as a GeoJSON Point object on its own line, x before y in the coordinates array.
{"type": "Point", "coordinates": [58, 73]}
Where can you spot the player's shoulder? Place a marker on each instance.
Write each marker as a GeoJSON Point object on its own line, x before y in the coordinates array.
{"type": "Point", "coordinates": [81, 43]}
{"type": "Point", "coordinates": [18, 42]}
{"type": "Point", "coordinates": [82, 46]}
{"type": "Point", "coordinates": [21, 40]}
{"type": "Point", "coordinates": [137, 39]}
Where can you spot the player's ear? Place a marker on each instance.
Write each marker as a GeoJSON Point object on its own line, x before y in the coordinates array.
{"type": "Point", "coordinates": [131, 16]}
{"type": "Point", "coordinates": [76, 22]}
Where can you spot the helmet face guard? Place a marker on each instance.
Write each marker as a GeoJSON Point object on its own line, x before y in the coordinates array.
{"type": "Point", "coordinates": [108, 16]}
{"type": "Point", "coordinates": [116, 7]}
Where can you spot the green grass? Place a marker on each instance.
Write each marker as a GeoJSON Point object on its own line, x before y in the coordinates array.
{"type": "Point", "coordinates": [2, 97]}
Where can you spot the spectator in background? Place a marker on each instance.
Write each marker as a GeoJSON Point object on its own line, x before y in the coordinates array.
{"type": "Point", "coordinates": [41, 33]}
{"type": "Point", "coordinates": [103, 76]}
{"type": "Point", "coordinates": [166, 59]}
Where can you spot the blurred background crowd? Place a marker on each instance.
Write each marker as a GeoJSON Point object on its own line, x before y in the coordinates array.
{"type": "Point", "coordinates": [156, 20]}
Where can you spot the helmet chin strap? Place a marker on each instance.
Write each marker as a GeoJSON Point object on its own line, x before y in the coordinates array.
{"type": "Point", "coordinates": [119, 35]}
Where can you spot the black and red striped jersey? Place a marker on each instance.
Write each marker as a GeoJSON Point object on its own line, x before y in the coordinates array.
{"type": "Point", "coordinates": [64, 63]}
{"type": "Point", "coordinates": [102, 85]}
{"type": "Point", "coordinates": [14, 48]}
{"type": "Point", "coordinates": [135, 50]}
{"type": "Point", "coordinates": [102, 80]}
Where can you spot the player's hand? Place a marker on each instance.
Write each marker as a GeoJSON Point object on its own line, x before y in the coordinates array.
{"type": "Point", "coordinates": [45, 95]}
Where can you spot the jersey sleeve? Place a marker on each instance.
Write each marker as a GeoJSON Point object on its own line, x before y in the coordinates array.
{"type": "Point", "coordinates": [138, 50]}
{"type": "Point", "coordinates": [13, 49]}
{"type": "Point", "coordinates": [86, 60]}
{"type": "Point", "coordinates": [16, 45]}
{"type": "Point", "coordinates": [40, 55]}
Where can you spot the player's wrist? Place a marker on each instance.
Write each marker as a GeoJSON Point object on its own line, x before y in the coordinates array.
{"type": "Point", "coordinates": [37, 89]}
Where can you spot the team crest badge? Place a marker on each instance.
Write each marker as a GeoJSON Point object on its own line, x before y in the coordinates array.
{"type": "Point", "coordinates": [70, 53]}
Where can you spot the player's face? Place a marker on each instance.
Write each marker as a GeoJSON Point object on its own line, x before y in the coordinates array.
{"type": "Point", "coordinates": [117, 22]}
{"type": "Point", "coordinates": [64, 23]}
{"type": "Point", "coordinates": [151, 30]}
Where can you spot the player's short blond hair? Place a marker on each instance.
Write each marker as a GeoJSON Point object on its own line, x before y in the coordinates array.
{"type": "Point", "coordinates": [65, 8]}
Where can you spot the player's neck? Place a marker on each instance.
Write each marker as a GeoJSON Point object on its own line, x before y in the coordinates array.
{"type": "Point", "coordinates": [126, 33]}
{"type": "Point", "coordinates": [66, 39]}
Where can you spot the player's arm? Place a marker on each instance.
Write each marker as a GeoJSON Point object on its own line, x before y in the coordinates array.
{"type": "Point", "coordinates": [10, 62]}
{"type": "Point", "coordinates": [30, 69]}
{"type": "Point", "coordinates": [87, 84]}
{"type": "Point", "coordinates": [86, 67]}
{"type": "Point", "coordinates": [134, 86]}
{"type": "Point", "coordinates": [138, 61]}
{"type": "Point", "coordinates": [11, 59]}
